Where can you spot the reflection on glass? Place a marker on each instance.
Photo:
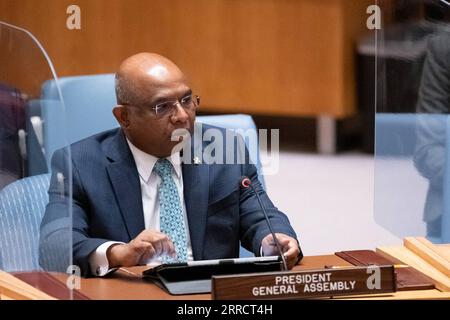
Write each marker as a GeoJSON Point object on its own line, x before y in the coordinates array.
{"type": "Point", "coordinates": [412, 103]}
{"type": "Point", "coordinates": [24, 173]}
{"type": "Point", "coordinates": [433, 107]}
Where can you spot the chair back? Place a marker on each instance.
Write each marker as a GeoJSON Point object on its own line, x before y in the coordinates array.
{"type": "Point", "coordinates": [22, 206]}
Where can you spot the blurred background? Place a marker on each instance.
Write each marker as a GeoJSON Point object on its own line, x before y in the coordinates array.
{"type": "Point", "coordinates": [280, 59]}
{"type": "Point", "coordinates": [309, 68]}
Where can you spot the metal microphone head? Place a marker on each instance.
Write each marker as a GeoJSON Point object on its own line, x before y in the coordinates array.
{"type": "Point", "coordinates": [245, 182]}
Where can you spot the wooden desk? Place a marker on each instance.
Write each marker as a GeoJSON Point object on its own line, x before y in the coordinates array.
{"type": "Point", "coordinates": [127, 284]}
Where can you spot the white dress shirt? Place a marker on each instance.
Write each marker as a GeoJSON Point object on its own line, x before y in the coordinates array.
{"type": "Point", "coordinates": [150, 203]}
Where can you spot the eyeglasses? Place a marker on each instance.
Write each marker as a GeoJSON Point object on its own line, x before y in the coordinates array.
{"type": "Point", "coordinates": [189, 102]}
{"type": "Point", "coordinates": [166, 108]}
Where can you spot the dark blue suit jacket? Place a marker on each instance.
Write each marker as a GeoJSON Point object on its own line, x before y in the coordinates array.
{"type": "Point", "coordinates": [107, 202]}
{"type": "Point", "coordinates": [434, 98]}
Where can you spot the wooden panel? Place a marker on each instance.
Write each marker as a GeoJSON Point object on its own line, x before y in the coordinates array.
{"type": "Point", "coordinates": [443, 250]}
{"type": "Point", "coordinates": [405, 295]}
{"type": "Point", "coordinates": [13, 288]}
{"type": "Point", "coordinates": [427, 251]}
{"type": "Point", "coordinates": [403, 255]}
{"type": "Point", "coordinates": [283, 57]}
{"type": "Point", "coordinates": [354, 19]}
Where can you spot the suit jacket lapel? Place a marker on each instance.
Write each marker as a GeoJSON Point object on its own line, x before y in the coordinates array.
{"type": "Point", "coordinates": [196, 193]}
{"type": "Point", "coordinates": [124, 178]}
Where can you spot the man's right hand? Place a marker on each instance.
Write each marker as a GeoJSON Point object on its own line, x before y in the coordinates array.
{"type": "Point", "coordinates": [147, 245]}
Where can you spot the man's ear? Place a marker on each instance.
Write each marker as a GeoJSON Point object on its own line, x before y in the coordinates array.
{"type": "Point", "coordinates": [121, 115]}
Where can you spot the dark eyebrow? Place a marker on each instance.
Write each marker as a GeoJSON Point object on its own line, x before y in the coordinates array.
{"type": "Point", "coordinates": [189, 92]}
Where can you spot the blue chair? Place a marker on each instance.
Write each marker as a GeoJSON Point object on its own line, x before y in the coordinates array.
{"type": "Point", "coordinates": [22, 206]}
{"type": "Point", "coordinates": [88, 101]}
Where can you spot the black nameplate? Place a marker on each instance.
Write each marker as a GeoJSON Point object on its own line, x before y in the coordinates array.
{"type": "Point", "coordinates": [306, 284]}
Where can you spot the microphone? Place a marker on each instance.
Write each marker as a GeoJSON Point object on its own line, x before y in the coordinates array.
{"type": "Point", "coordinates": [247, 183]}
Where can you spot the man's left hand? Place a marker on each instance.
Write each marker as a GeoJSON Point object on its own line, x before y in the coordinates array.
{"type": "Point", "coordinates": [288, 245]}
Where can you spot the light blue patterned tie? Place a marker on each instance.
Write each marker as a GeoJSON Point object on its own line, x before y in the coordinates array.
{"type": "Point", "coordinates": [171, 214]}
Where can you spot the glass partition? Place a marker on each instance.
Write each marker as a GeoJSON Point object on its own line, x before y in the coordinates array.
{"type": "Point", "coordinates": [35, 235]}
{"type": "Point", "coordinates": [412, 103]}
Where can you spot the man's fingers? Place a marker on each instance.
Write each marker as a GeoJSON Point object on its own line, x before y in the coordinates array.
{"type": "Point", "coordinates": [291, 254]}
{"type": "Point", "coordinates": [156, 238]}
{"type": "Point", "coordinates": [151, 235]}
{"type": "Point", "coordinates": [288, 245]}
{"type": "Point", "coordinates": [290, 250]}
{"type": "Point", "coordinates": [168, 248]}
{"type": "Point", "coordinates": [172, 251]}
{"type": "Point", "coordinates": [146, 250]}
{"type": "Point", "coordinates": [148, 245]}
{"type": "Point", "coordinates": [282, 239]}
{"type": "Point", "coordinates": [284, 242]}
{"type": "Point", "coordinates": [160, 242]}
{"type": "Point", "coordinates": [147, 256]}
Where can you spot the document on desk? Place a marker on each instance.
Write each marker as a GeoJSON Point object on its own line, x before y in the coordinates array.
{"type": "Point", "coordinates": [195, 276]}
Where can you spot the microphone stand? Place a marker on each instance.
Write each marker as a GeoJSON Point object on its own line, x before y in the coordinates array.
{"type": "Point", "coordinates": [270, 226]}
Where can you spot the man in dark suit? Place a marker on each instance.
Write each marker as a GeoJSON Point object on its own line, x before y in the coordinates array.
{"type": "Point", "coordinates": [134, 202]}
{"type": "Point", "coordinates": [432, 135]}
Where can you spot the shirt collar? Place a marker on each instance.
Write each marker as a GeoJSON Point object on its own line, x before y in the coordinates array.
{"type": "Point", "coordinates": [145, 162]}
